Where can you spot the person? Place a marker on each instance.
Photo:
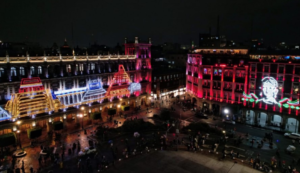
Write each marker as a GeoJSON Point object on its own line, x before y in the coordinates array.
{"type": "Point", "coordinates": [31, 169]}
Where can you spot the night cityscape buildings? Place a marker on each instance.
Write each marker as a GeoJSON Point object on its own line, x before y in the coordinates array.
{"type": "Point", "coordinates": [82, 90]}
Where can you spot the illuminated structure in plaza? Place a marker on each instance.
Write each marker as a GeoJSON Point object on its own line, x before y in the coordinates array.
{"type": "Point", "coordinates": [50, 83]}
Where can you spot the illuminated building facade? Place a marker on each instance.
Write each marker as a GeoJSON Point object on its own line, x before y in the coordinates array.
{"type": "Point", "coordinates": [53, 87]}
{"type": "Point", "coordinates": [259, 88]}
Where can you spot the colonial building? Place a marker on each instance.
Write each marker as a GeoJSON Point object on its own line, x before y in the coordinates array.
{"type": "Point", "coordinates": [51, 87]}
{"type": "Point", "coordinates": [259, 88]}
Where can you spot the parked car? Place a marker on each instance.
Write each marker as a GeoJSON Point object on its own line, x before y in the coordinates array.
{"type": "Point", "coordinates": [292, 135]}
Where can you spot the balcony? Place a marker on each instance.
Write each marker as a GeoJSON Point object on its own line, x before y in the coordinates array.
{"type": "Point", "coordinates": [228, 78]}
{"type": "Point", "coordinates": [206, 76]}
{"type": "Point", "coordinates": [227, 89]}
{"type": "Point", "coordinates": [218, 78]}
{"type": "Point", "coordinates": [205, 86]}
{"type": "Point", "coordinates": [216, 88]}
{"type": "Point", "coordinates": [240, 79]}
{"type": "Point", "coordinates": [238, 91]}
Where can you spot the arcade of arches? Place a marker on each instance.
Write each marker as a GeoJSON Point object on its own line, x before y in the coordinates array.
{"type": "Point", "coordinates": [71, 119]}
{"type": "Point", "coordinates": [252, 117]}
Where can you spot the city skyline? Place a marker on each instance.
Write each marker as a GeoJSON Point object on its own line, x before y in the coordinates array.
{"type": "Point", "coordinates": [105, 22]}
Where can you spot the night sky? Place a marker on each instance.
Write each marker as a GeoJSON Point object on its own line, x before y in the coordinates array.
{"type": "Point", "coordinates": [109, 21]}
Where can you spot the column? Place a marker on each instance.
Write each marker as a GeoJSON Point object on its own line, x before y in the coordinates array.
{"type": "Point", "coordinates": [269, 119]}
{"type": "Point", "coordinates": [74, 83]}
{"type": "Point", "coordinates": [64, 84]}
{"type": "Point", "coordinates": [60, 85]}
{"type": "Point", "coordinates": [256, 114]}
{"type": "Point", "coordinates": [8, 92]}
{"type": "Point", "coordinates": [283, 123]}
{"type": "Point", "coordinates": [221, 107]}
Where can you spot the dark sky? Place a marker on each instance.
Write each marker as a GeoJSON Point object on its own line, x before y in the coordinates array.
{"type": "Point", "coordinates": [109, 21]}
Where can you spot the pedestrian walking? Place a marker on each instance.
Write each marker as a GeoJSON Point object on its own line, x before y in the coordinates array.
{"type": "Point", "coordinates": [31, 169]}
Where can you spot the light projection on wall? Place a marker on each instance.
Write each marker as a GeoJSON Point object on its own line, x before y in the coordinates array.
{"type": "Point", "coordinates": [92, 93]}
{"type": "Point", "coordinates": [32, 99]}
{"type": "Point", "coordinates": [268, 95]}
{"type": "Point", "coordinates": [134, 87]}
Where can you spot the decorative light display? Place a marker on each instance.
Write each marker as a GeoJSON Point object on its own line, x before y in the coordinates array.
{"type": "Point", "coordinates": [121, 85]}
{"type": "Point", "coordinates": [269, 95]}
{"type": "Point", "coordinates": [92, 93]}
{"type": "Point", "coordinates": [134, 87]}
{"type": "Point", "coordinates": [32, 99]}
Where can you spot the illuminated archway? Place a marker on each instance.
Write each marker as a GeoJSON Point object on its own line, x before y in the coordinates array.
{"type": "Point", "coordinates": [250, 117]}
{"type": "Point", "coordinates": [277, 119]}
{"type": "Point", "coordinates": [262, 119]}
{"type": "Point", "coordinates": [292, 125]}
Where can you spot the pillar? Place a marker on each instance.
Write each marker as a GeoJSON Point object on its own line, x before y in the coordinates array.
{"type": "Point", "coordinates": [256, 115]}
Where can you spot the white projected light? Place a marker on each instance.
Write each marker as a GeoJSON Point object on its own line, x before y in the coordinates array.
{"type": "Point", "coordinates": [269, 90]}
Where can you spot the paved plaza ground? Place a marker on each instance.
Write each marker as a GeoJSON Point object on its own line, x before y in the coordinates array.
{"type": "Point", "coordinates": [178, 162]}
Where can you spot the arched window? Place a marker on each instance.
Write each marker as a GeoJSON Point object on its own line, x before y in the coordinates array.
{"type": "Point", "coordinates": [32, 72]}
{"type": "Point", "coordinates": [22, 71]}
{"type": "Point", "coordinates": [13, 71]}
{"type": "Point", "coordinates": [68, 68]}
{"type": "Point", "coordinates": [40, 71]}
{"type": "Point", "coordinates": [1, 72]}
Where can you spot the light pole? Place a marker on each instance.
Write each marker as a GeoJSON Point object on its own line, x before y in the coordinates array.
{"type": "Point", "coordinates": [19, 134]}
{"type": "Point", "coordinates": [226, 111]}
{"type": "Point", "coordinates": [82, 116]}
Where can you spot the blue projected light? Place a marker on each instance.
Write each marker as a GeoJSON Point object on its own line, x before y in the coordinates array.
{"type": "Point", "coordinates": [297, 57]}
{"type": "Point", "coordinates": [94, 84]}
{"type": "Point", "coordinates": [287, 57]}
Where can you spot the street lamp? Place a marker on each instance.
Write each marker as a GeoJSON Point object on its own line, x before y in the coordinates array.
{"type": "Point", "coordinates": [82, 116]}
{"type": "Point", "coordinates": [19, 134]}
{"type": "Point", "coordinates": [226, 111]}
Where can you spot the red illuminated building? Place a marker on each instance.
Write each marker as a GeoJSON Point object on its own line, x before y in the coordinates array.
{"type": "Point", "coordinates": [259, 88]}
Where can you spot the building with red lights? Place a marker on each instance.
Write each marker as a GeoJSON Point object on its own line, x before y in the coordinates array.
{"type": "Point", "coordinates": [259, 88]}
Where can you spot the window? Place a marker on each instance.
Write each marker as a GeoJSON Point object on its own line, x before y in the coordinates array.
{"type": "Point", "coordinates": [92, 66]}
{"type": "Point", "coordinates": [81, 67]}
{"type": "Point", "coordinates": [32, 72]}
{"type": "Point", "coordinates": [40, 71]}
{"type": "Point", "coordinates": [215, 72]}
{"type": "Point", "coordinates": [13, 71]}
{"type": "Point", "coordinates": [253, 67]}
{"type": "Point", "coordinates": [252, 85]}
{"type": "Point", "coordinates": [22, 71]}
{"type": "Point", "coordinates": [205, 71]}
{"type": "Point", "coordinates": [154, 78]}
{"type": "Point", "coordinates": [77, 67]}
{"type": "Point", "coordinates": [1, 72]}
{"type": "Point", "coordinates": [68, 68]}
{"type": "Point", "coordinates": [281, 69]}
{"type": "Point", "coordinates": [295, 88]}
{"type": "Point", "coordinates": [220, 72]}
{"type": "Point", "coordinates": [266, 69]}
{"type": "Point", "coordinates": [154, 86]}
{"type": "Point", "coordinates": [252, 76]}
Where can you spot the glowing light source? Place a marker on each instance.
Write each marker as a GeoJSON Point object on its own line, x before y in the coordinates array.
{"type": "Point", "coordinates": [226, 111]}
{"type": "Point", "coordinates": [269, 94]}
